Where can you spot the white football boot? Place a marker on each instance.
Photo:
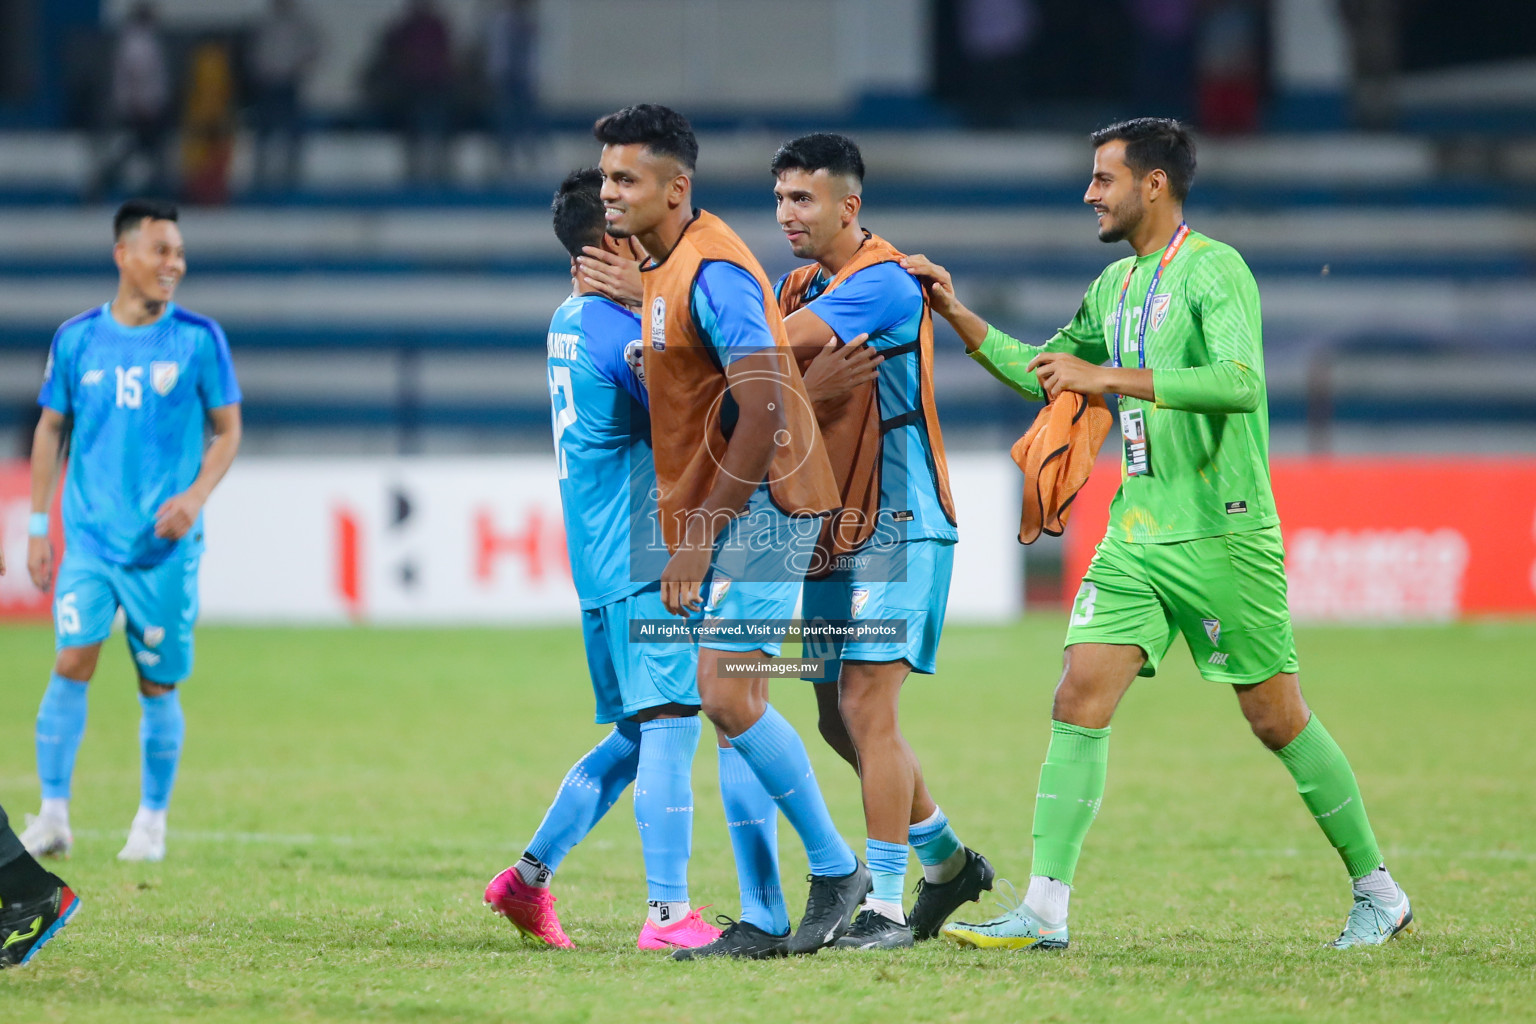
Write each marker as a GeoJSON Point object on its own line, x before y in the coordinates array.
{"type": "Point", "coordinates": [146, 837]}
{"type": "Point", "coordinates": [47, 835]}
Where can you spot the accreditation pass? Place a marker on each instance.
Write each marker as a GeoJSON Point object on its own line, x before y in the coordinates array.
{"type": "Point", "coordinates": [1133, 432]}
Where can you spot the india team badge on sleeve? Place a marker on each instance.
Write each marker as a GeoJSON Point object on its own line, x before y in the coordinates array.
{"type": "Point", "coordinates": [162, 377]}
{"type": "Point", "coordinates": [1212, 630]}
{"type": "Point", "coordinates": [860, 599]}
{"type": "Point", "coordinates": [659, 323]}
{"type": "Point", "coordinates": [1160, 305]}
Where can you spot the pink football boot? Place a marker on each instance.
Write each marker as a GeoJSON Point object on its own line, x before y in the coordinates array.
{"type": "Point", "coordinates": [689, 933]}
{"type": "Point", "coordinates": [531, 910]}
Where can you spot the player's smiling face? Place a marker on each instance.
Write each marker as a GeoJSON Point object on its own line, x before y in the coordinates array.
{"type": "Point", "coordinates": [152, 260]}
{"type": "Point", "coordinates": [1114, 193]}
{"type": "Point", "coordinates": [638, 187]}
{"type": "Point", "coordinates": [813, 207]}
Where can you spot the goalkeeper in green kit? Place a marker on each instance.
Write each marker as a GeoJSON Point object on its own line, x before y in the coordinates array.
{"type": "Point", "coordinates": [1193, 545]}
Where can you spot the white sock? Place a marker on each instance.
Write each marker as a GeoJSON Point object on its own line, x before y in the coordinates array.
{"type": "Point", "coordinates": [533, 873]}
{"type": "Point", "coordinates": [1378, 883]}
{"type": "Point", "coordinates": [1047, 898]}
{"type": "Point", "coordinates": [945, 869]}
{"type": "Point", "coordinates": [150, 819]}
{"type": "Point", "coordinates": [55, 809]}
{"type": "Point", "coordinates": [664, 912]}
{"type": "Point", "coordinates": [885, 909]}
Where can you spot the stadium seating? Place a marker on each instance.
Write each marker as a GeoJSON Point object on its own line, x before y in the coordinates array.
{"type": "Point", "coordinates": [357, 303]}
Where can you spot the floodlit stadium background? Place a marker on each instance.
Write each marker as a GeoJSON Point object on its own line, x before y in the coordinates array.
{"type": "Point", "coordinates": [387, 319]}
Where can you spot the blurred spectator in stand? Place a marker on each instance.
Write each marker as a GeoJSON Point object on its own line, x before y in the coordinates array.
{"type": "Point", "coordinates": [284, 49]}
{"type": "Point", "coordinates": [141, 103]}
{"type": "Point", "coordinates": [1375, 49]}
{"type": "Point", "coordinates": [208, 124]}
{"type": "Point", "coordinates": [1165, 57]}
{"type": "Point", "coordinates": [994, 36]}
{"type": "Point", "coordinates": [418, 64]}
{"type": "Point", "coordinates": [511, 70]}
{"type": "Point", "coordinates": [1231, 67]}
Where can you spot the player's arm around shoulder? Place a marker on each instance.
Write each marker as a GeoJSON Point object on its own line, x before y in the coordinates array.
{"type": "Point", "coordinates": [1002, 355]}
{"type": "Point", "coordinates": [877, 302]}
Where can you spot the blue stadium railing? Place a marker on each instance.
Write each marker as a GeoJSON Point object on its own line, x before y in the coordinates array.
{"type": "Point", "coordinates": [407, 411]}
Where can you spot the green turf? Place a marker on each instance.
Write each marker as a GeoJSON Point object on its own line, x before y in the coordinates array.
{"type": "Point", "coordinates": [345, 795]}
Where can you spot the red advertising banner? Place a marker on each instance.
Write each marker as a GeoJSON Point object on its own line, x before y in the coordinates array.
{"type": "Point", "coordinates": [1379, 538]}
{"type": "Point", "coordinates": [19, 599]}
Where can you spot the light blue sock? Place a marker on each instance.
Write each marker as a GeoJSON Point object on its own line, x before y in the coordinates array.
{"type": "Point", "coordinates": [752, 819]}
{"type": "Point", "coordinates": [60, 724]}
{"type": "Point", "coordinates": [888, 867]}
{"type": "Point", "coordinates": [933, 839]}
{"type": "Point", "coordinates": [591, 787]}
{"type": "Point", "coordinates": [664, 804]}
{"type": "Point", "coordinates": [774, 752]}
{"type": "Point", "coordinates": [162, 727]}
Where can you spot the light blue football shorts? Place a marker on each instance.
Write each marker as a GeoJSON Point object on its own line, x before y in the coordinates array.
{"type": "Point", "coordinates": [907, 581]}
{"type": "Point", "coordinates": [158, 601]}
{"type": "Point", "coordinates": [628, 678]}
{"type": "Point", "coordinates": [759, 565]}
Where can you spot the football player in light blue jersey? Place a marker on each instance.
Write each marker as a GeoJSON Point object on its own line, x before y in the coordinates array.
{"type": "Point", "coordinates": [857, 288]}
{"type": "Point", "coordinates": [648, 691]}
{"type": "Point", "coordinates": [140, 381]}
{"type": "Point", "coordinates": [742, 517]}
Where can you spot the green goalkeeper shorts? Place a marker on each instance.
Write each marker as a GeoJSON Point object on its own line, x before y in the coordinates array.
{"type": "Point", "coordinates": [1225, 594]}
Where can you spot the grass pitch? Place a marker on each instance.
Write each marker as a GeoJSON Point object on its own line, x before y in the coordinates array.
{"type": "Point", "coordinates": [345, 795]}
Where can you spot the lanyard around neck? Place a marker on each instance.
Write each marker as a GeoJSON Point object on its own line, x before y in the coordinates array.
{"type": "Point", "coordinates": [1146, 306]}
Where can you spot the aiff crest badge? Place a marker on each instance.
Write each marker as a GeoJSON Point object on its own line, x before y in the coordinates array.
{"type": "Point", "coordinates": [717, 591]}
{"type": "Point", "coordinates": [1212, 630]}
{"type": "Point", "coordinates": [162, 377]}
{"type": "Point", "coordinates": [1160, 304]}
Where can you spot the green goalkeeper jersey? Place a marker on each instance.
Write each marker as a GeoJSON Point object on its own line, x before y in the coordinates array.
{"type": "Point", "coordinates": [1208, 432]}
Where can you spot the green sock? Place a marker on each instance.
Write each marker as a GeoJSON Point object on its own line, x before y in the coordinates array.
{"type": "Point", "coordinates": [1327, 786]}
{"type": "Point", "coordinates": [1071, 790]}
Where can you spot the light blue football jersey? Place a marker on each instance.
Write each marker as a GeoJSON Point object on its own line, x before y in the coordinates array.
{"type": "Point", "coordinates": [598, 408]}
{"type": "Point", "coordinates": [139, 397]}
{"type": "Point", "coordinates": [886, 302]}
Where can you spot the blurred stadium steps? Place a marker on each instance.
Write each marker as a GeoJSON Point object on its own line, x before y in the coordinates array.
{"type": "Point", "coordinates": [349, 311]}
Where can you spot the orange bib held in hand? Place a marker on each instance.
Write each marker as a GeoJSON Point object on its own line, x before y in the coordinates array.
{"type": "Point", "coordinates": [1056, 455]}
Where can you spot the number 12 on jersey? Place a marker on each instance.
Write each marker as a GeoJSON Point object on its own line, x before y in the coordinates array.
{"type": "Point", "coordinates": [562, 397]}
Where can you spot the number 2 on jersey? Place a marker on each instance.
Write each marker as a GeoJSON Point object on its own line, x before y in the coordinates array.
{"type": "Point", "coordinates": [563, 397]}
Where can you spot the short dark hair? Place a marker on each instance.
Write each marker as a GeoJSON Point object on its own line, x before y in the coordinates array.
{"type": "Point", "coordinates": [578, 210]}
{"type": "Point", "coordinates": [132, 213]}
{"type": "Point", "coordinates": [660, 129]}
{"type": "Point", "coordinates": [820, 151]}
{"type": "Point", "coordinates": [1155, 143]}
